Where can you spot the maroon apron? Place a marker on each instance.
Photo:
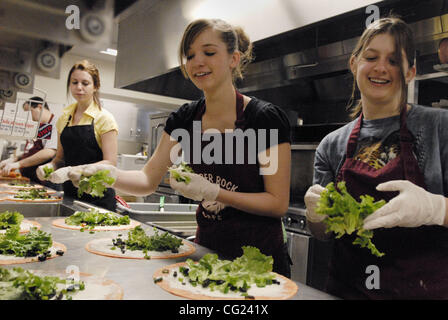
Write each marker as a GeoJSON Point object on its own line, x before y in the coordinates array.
{"type": "Point", "coordinates": [415, 265]}
{"type": "Point", "coordinates": [230, 229]}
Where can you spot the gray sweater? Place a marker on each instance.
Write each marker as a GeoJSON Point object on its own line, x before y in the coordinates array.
{"type": "Point", "coordinates": [429, 126]}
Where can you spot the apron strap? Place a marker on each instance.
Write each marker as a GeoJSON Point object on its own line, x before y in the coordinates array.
{"type": "Point", "coordinates": [353, 139]}
{"type": "Point", "coordinates": [240, 120]}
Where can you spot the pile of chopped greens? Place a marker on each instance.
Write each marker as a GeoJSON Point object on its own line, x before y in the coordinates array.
{"type": "Point", "coordinates": [177, 172]}
{"type": "Point", "coordinates": [31, 244]}
{"type": "Point", "coordinates": [93, 217]}
{"type": "Point", "coordinates": [32, 194]}
{"type": "Point", "coordinates": [95, 185]}
{"type": "Point", "coordinates": [138, 240]}
{"type": "Point", "coordinates": [48, 171]}
{"type": "Point", "coordinates": [345, 215]}
{"type": "Point", "coordinates": [10, 219]}
{"type": "Point", "coordinates": [20, 284]}
{"type": "Point", "coordinates": [252, 268]}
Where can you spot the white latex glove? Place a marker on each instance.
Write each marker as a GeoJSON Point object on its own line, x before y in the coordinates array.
{"type": "Point", "coordinates": [312, 197]}
{"type": "Point", "coordinates": [7, 161]}
{"type": "Point", "coordinates": [413, 207]}
{"type": "Point", "coordinates": [89, 170]}
{"type": "Point", "coordinates": [60, 175]}
{"type": "Point", "coordinates": [41, 173]}
{"type": "Point", "coordinates": [197, 189]}
{"type": "Point", "coordinates": [10, 167]}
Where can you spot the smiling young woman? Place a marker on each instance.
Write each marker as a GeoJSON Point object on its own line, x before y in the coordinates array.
{"type": "Point", "coordinates": [394, 151]}
{"type": "Point", "coordinates": [240, 203]}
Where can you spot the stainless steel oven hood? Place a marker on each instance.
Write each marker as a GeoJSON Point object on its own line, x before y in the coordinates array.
{"type": "Point", "coordinates": [305, 63]}
{"type": "Point", "coordinates": [150, 32]}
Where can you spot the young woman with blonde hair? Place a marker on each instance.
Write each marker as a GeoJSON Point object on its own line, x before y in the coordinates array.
{"type": "Point", "coordinates": [87, 134]}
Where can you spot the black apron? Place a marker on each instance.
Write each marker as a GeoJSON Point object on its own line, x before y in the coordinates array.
{"type": "Point", "coordinates": [415, 265]}
{"type": "Point", "coordinates": [228, 230]}
{"type": "Point", "coordinates": [80, 147]}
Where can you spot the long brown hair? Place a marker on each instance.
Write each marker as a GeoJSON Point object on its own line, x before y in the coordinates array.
{"type": "Point", "coordinates": [234, 37]}
{"type": "Point", "coordinates": [404, 40]}
{"type": "Point", "coordinates": [90, 68]}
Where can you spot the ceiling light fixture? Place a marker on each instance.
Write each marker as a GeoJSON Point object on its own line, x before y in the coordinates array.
{"type": "Point", "coordinates": [110, 51]}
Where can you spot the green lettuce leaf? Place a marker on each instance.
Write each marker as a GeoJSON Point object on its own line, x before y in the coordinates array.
{"type": "Point", "coordinates": [177, 172]}
{"type": "Point", "coordinates": [31, 244]}
{"type": "Point", "coordinates": [9, 219]}
{"type": "Point", "coordinates": [18, 283]}
{"type": "Point", "coordinates": [139, 240]}
{"type": "Point", "coordinates": [345, 215]}
{"type": "Point", "coordinates": [252, 268]}
{"type": "Point", "coordinates": [95, 185]}
{"type": "Point", "coordinates": [47, 172]}
{"type": "Point", "coordinates": [94, 217]}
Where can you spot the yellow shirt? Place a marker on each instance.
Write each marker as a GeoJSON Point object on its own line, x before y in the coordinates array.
{"type": "Point", "coordinates": [104, 121]}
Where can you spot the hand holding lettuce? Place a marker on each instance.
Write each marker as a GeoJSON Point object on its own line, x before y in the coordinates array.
{"type": "Point", "coordinates": [192, 185]}
{"type": "Point", "coordinates": [96, 184]}
{"type": "Point", "coordinates": [345, 215]}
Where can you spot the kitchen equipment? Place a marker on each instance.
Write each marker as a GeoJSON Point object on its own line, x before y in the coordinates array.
{"type": "Point", "coordinates": [298, 242]}
{"type": "Point", "coordinates": [131, 162]}
{"type": "Point", "coordinates": [156, 126]}
{"type": "Point", "coordinates": [302, 168]}
{"type": "Point", "coordinates": [310, 257]}
{"type": "Point", "coordinates": [179, 219]}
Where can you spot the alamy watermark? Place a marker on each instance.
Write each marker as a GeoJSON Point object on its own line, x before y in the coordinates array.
{"type": "Point", "coordinates": [373, 280]}
{"type": "Point", "coordinates": [73, 20]}
{"type": "Point", "coordinates": [374, 12]}
{"type": "Point", "coordinates": [238, 146]}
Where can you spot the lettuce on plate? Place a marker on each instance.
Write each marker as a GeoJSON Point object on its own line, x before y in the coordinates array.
{"type": "Point", "coordinates": [10, 219]}
{"type": "Point", "coordinates": [252, 268]}
{"type": "Point", "coordinates": [94, 217]}
{"type": "Point", "coordinates": [31, 244]}
{"type": "Point", "coordinates": [20, 284]}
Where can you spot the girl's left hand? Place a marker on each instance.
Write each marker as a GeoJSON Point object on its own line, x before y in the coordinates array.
{"type": "Point", "coordinates": [413, 207]}
{"type": "Point", "coordinates": [198, 188]}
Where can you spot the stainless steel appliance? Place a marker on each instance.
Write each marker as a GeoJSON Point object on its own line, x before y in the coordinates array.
{"type": "Point", "coordinates": [298, 241]}
{"type": "Point", "coordinates": [156, 126]}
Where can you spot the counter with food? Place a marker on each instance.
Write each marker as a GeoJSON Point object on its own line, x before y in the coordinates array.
{"type": "Point", "coordinates": [105, 253]}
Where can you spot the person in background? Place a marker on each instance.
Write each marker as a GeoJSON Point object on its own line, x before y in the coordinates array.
{"type": "Point", "coordinates": [443, 51]}
{"type": "Point", "coordinates": [37, 151]}
{"type": "Point", "coordinates": [87, 134]}
{"type": "Point", "coordinates": [238, 205]}
{"type": "Point", "coordinates": [394, 151]}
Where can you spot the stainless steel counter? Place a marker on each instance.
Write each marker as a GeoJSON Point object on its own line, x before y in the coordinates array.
{"type": "Point", "coordinates": [134, 276]}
